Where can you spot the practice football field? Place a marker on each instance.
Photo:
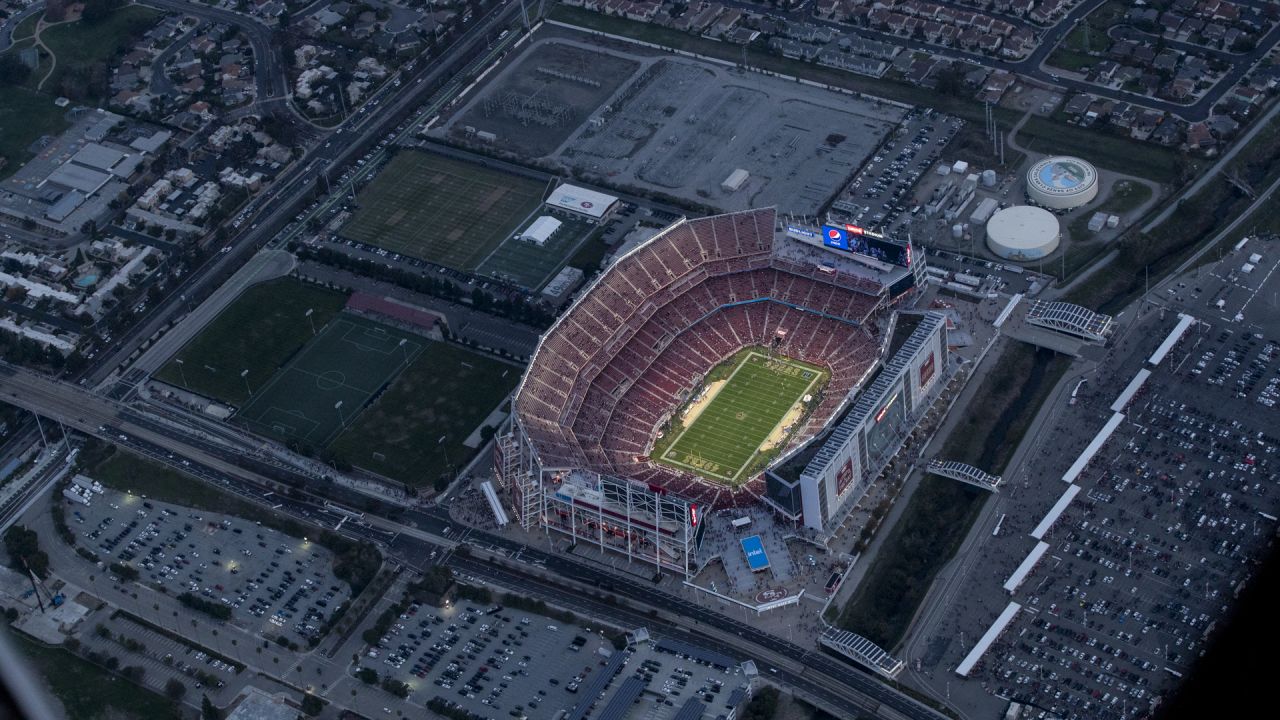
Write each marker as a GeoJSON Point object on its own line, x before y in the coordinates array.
{"type": "Point", "coordinates": [348, 363]}
{"type": "Point", "coordinates": [442, 210]}
{"type": "Point", "coordinates": [726, 436]}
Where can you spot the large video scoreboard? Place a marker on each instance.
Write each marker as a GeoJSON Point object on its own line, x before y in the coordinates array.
{"type": "Point", "coordinates": [862, 241]}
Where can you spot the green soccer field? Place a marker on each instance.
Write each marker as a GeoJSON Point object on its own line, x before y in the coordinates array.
{"type": "Point", "coordinates": [441, 210]}
{"type": "Point", "coordinates": [726, 438]}
{"type": "Point", "coordinates": [258, 332]}
{"type": "Point", "coordinates": [347, 363]}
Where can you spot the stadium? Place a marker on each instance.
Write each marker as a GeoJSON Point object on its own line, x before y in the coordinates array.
{"type": "Point", "coordinates": [766, 331]}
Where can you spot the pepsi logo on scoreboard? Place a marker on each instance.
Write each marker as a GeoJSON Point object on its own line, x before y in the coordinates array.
{"type": "Point", "coordinates": [836, 237]}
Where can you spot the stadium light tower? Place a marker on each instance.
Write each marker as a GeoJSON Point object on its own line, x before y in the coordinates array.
{"type": "Point", "coordinates": [182, 371]}
{"type": "Point", "coordinates": [244, 375]}
{"type": "Point", "coordinates": [403, 351]}
{"type": "Point", "coordinates": [341, 418]}
{"type": "Point", "coordinates": [311, 320]}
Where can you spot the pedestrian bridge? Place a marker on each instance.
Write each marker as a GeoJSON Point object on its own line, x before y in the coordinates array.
{"type": "Point", "coordinates": [861, 650]}
{"type": "Point", "coordinates": [965, 473]}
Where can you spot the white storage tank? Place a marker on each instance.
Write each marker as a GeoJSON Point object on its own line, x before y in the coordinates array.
{"type": "Point", "coordinates": [988, 178]}
{"type": "Point", "coordinates": [1023, 233]}
{"type": "Point", "coordinates": [1062, 183]}
{"type": "Point", "coordinates": [957, 231]}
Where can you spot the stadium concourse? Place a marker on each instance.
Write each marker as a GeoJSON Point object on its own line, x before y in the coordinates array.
{"type": "Point", "coordinates": [636, 345]}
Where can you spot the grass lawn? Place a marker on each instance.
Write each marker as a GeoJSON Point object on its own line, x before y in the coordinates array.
{"type": "Point", "coordinates": [127, 472]}
{"type": "Point", "coordinates": [757, 395]}
{"type": "Point", "coordinates": [80, 45]}
{"type": "Point", "coordinates": [1125, 196]}
{"type": "Point", "coordinates": [1109, 151]}
{"type": "Point", "coordinates": [414, 431]}
{"type": "Point", "coordinates": [529, 265]}
{"type": "Point", "coordinates": [86, 691]}
{"type": "Point", "coordinates": [350, 361]}
{"type": "Point", "coordinates": [940, 512]}
{"type": "Point", "coordinates": [24, 117]}
{"type": "Point", "coordinates": [260, 331]}
{"type": "Point", "coordinates": [442, 210]}
{"type": "Point", "coordinates": [1072, 60]}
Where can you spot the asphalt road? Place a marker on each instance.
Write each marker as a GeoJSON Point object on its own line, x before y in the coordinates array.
{"type": "Point", "coordinates": [228, 466]}
{"type": "Point", "coordinates": [7, 28]}
{"type": "Point", "coordinates": [269, 70]}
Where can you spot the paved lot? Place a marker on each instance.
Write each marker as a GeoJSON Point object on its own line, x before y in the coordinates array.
{"type": "Point", "coordinates": [489, 662]}
{"type": "Point", "coordinates": [880, 194]}
{"type": "Point", "coordinates": [275, 584]}
{"type": "Point", "coordinates": [1171, 516]}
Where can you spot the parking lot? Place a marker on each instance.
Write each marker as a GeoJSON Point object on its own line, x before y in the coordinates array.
{"type": "Point", "coordinates": [274, 584]}
{"type": "Point", "coordinates": [880, 194]}
{"type": "Point", "coordinates": [1171, 517]}
{"type": "Point", "coordinates": [496, 662]}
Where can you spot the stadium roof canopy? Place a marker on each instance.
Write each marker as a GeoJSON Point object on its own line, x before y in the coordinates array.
{"type": "Point", "coordinates": [1071, 319]}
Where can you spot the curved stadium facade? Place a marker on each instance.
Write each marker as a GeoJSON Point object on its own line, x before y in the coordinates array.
{"type": "Point", "coordinates": [636, 345]}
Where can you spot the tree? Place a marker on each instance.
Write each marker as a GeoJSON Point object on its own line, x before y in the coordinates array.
{"type": "Point", "coordinates": [23, 546]}
{"type": "Point", "coordinates": [368, 676]}
{"type": "Point", "coordinates": [95, 11]}
{"type": "Point", "coordinates": [208, 711]}
{"type": "Point", "coordinates": [312, 705]}
{"type": "Point", "coordinates": [175, 689]}
{"type": "Point", "coordinates": [12, 70]}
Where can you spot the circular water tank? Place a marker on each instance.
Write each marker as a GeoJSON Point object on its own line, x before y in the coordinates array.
{"type": "Point", "coordinates": [988, 178]}
{"type": "Point", "coordinates": [1062, 183]}
{"type": "Point", "coordinates": [957, 230]}
{"type": "Point", "coordinates": [1022, 233]}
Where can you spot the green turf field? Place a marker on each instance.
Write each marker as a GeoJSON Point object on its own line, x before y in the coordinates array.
{"type": "Point", "coordinates": [415, 430]}
{"type": "Point", "coordinates": [725, 439]}
{"type": "Point", "coordinates": [348, 363]}
{"type": "Point", "coordinates": [259, 332]}
{"type": "Point", "coordinates": [441, 210]}
{"type": "Point", "coordinates": [530, 266]}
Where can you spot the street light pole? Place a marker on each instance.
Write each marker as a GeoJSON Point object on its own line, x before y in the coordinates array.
{"type": "Point", "coordinates": [244, 375]}
{"type": "Point", "coordinates": [182, 371]}
{"type": "Point", "coordinates": [311, 320]}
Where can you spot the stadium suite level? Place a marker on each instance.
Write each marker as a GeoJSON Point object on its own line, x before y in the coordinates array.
{"type": "Point", "coordinates": [637, 344]}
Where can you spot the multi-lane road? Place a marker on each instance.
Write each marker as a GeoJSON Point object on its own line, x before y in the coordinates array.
{"type": "Point", "coordinates": [417, 531]}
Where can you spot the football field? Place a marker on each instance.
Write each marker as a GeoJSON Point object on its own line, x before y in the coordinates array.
{"type": "Point", "coordinates": [327, 384]}
{"type": "Point", "coordinates": [442, 210]}
{"type": "Point", "coordinates": [725, 438]}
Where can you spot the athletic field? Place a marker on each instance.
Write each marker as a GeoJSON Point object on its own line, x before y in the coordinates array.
{"type": "Point", "coordinates": [259, 332]}
{"type": "Point", "coordinates": [348, 363]}
{"type": "Point", "coordinates": [529, 266]}
{"type": "Point", "coordinates": [442, 210]}
{"type": "Point", "coordinates": [746, 412]}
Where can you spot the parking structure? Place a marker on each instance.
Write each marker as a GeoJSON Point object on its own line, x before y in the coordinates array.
{"type": "Point", "coordinates": [496, 662]}
{"type": "Point", "coordinates": [274, 584]}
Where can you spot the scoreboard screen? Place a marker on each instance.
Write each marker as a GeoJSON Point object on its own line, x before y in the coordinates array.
{"type": "Point", "coordinates": [854, 239]}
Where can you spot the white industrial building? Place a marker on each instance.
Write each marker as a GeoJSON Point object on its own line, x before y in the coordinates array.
{"type": "Point", "coordinates": [592, 204]}
{"type": "Point", "coordinates": [1023, 233]}
{"type": "Point", "coordinates": [735, 181]}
